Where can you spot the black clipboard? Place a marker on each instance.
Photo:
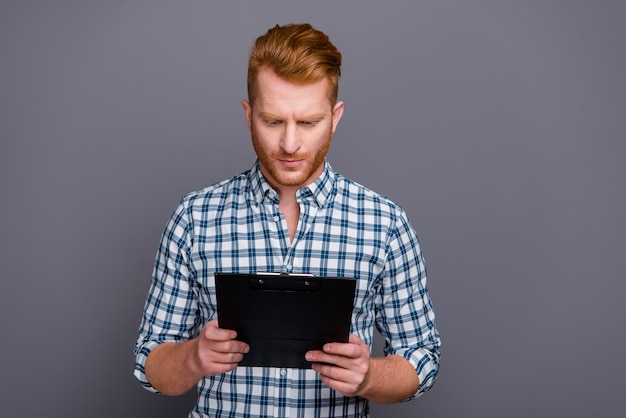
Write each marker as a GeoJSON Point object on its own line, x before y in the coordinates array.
{"type": "Point", "coordinates": [282, 316]}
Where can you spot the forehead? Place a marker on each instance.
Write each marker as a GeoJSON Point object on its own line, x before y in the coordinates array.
{"type": "Point", "coordinates": [274, 94]}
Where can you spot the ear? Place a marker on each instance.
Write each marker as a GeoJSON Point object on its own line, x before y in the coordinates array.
{"type": "Point", "coordinates": [337, 113]}
{"type": "Point", "coordinates": [247, 112]}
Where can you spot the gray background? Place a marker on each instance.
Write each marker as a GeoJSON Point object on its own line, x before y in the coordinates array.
{"type": "Point", "coordinates": [498, 125]}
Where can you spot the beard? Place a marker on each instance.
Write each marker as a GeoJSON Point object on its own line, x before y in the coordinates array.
{"type": "Point", "coordinates": [277, 175]}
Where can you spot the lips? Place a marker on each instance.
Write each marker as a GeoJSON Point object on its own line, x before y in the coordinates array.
{"type": "Point", "coordinates": [291, 163]}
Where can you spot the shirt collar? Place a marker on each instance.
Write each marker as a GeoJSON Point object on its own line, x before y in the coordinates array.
{"type": "Point", "coordinates": [318, 191]}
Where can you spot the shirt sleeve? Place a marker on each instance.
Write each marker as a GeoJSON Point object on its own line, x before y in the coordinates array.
{"type": "Point", "coordinates": [407, 319]}
{"type": "Point", "coordinates": [170, 310]}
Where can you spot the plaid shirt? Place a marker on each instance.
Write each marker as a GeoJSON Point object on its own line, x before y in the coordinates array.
{"type": "Point", "coordinates": [344, 230]}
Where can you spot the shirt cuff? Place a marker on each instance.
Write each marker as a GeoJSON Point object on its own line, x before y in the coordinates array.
{"type": "Point", "coordinates": [426, 364]}
{"type": "Point", "coordinates": [141, 354]}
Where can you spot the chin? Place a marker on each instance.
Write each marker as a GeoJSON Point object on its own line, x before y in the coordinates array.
{"type": "Point", "coordinates": [286, 177]}
{"type": "Point", "coordinates": [290, 181]}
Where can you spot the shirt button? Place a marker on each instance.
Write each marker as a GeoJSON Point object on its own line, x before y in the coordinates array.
{"type": "Point", "coordinates": [283, 372]}
{"type": "Point", "coordinates": [276, 218]}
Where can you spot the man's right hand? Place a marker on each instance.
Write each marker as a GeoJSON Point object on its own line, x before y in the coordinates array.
{"type": "Point", "coordinates": [174, 368]}
{"type": "Point", "coordinates": [218, 351]}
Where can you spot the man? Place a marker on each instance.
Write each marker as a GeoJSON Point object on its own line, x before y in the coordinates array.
{"type": "Point", "coordinates": [293, 213]}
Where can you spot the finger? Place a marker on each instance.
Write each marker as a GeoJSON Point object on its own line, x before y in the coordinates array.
{"type": "Point", "coordinates": [333, 372]}
{"type": "Point", "coordinates": [230, 346]}
{"type": "Point", "coordinates": [348, 389]}
{"type": "Point", "coordinates": [213, 363]}
{"type": "Point", "coordinates": [224, 357]}
{"type": "Point", "coordinates": [354, 339]}
{"type": "Point", "coordinates": [330, 361]}
{"type": "Point", "coordinates": [213, 332]}
{"type": "Point", "coordinates": [339, 379]}
{"type": "Point", "coordinates": [318, 356]}
{"type": "Point", "coordinates": [222, 340]}
{"type": "Point", "coordinates": [337, 366]}
{"type": "Point", "coordinates": [221, 353]}
{"type": "Point", "coordinates": [350, 350]}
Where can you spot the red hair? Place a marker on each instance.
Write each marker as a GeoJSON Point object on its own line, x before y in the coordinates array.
{"type": "Point", "coordinates": [297, 53]}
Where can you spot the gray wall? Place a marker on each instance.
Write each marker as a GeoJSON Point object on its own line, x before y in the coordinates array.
{"type": "Point", "coordinates": [498, 125]}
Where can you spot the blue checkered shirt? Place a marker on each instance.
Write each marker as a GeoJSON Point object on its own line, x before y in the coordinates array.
{"type": "Point", "coordinates": [344, 230]}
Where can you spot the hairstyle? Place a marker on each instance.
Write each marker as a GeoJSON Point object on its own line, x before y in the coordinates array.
{"type": "Point", "coordinates": [297, 53]}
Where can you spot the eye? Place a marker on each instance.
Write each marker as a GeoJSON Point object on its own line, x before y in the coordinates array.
{"type": "Point", "coordinates": [272, 122]}
{"type": "Point", "coordinates": [308, 123]}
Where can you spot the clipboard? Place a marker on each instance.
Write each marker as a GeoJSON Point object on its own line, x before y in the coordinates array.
{"type": "Point", "coordinates": [282, 316]}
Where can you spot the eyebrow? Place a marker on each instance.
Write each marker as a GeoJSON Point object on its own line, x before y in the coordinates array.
{"type": "Point", "coordinates": [311, 117]}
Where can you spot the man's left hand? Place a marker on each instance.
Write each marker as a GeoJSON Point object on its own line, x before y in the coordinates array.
{"type": "Point", "coordinates": [342, 366]}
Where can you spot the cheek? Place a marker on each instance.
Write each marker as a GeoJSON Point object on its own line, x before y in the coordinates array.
{"type": "Point", "coordinates": [264, 134]}
{"type": "Point", "coordinates": [258, 137]}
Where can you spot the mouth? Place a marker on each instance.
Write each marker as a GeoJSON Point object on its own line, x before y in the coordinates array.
{"type": "Point", "coordinates": [290, 163]}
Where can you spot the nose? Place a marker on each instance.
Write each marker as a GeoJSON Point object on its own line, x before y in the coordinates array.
{"type": "Point", "coordinates": [290, 142]}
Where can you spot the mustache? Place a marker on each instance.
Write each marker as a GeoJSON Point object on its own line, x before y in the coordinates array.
{"type": "Point", "coordinates": [289, 156]}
